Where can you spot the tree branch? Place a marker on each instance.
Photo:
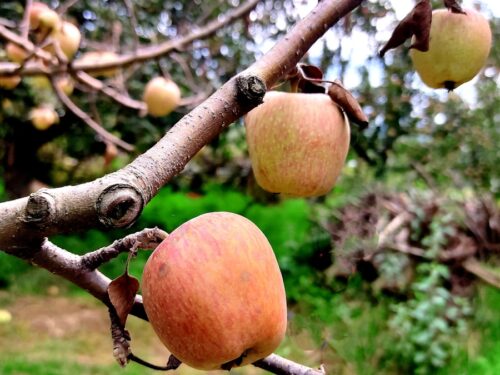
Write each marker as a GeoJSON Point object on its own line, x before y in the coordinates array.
{"type": "Point", "coordinates": [103, 133]}
{"type": "Point", "coordinates": [117, 199]}
{"type": "Point", "coordinates": [141, 55]}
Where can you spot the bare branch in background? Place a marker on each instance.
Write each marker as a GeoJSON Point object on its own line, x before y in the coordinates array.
{"type": "Point", "coordinates": [77, 111]}
{"type": "Point", "coordinates": [25, 23]}
{"type": "Point", "coordinates": [63, 7]}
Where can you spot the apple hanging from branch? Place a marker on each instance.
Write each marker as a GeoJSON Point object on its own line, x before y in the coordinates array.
{"type": "Point", "coordinates": [459, 46]}
{"type": "Point", "coordinates": [214, 294]}
{"type": "Point", "coordinates": [161, 96]}
{"type": "Point", "coordinates": [297, 142]}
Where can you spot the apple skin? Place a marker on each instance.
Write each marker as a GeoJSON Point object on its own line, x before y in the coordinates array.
{"type": "Point", "coordinates": [43, 118]}
{"type": "Point", "coordinates": [68, 36]}
{"type": "Point", "coordinates": [297, 143]}
{"type": "Point", "coordinates": [15, 53]}
{"type": "Point", "coordinates": [458, 49]}
{"type": "Point", "coordinates": [9, 82]}
{"type": "Point", "coordinates": [36, 9]}
{"type": "Point", "coordinates": [214, 294]}
{"type": "Point", "coordinates": [161, 96]}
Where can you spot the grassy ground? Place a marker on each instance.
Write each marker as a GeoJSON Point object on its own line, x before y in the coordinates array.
{"type": "Point", "coordinates": [60, 331]}
{"type": "Point", "coordinates": [56, 335]}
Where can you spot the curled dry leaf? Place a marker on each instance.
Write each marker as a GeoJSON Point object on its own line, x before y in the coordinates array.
{"type": "Point", "coordinates": [122, 291]}
{"type": "Point", "coordinates": [348, 103]}
{"type": "Point", "coordinates": [453, 6]}
{"type": "Point", "coordinates": [310, 79]}
{"type": "Point", "coordinates": [416, 23]}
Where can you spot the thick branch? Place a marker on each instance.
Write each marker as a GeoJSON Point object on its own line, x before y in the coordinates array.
{"type": "Point", "coordinates": [117, 199]}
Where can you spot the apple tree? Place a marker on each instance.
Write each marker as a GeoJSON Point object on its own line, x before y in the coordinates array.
{"type": "Point", "coordinates": [87, 82]}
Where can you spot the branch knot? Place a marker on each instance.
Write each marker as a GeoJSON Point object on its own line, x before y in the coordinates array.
{"type": "Point", "coordinates": [119, 205]}
{"type": "Point", "coordinates": [251, 89]}
{"type": "Point", "coordinates": [40, 207]}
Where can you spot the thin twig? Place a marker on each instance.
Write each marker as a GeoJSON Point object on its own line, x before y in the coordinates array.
{"type": "Point", "coordinates": [63, 8]}
{"type": "Point", "coordinates": [147, 238]}
{"type": "Point", "coordinates": [25, 23]}
{"type": "Point", "coordinates": [103, 133]}
{"type": "Point", "coordinates": [133, 23]}
{"type": "Point", "coordinates": [282, 366]}
{"type": "Point", "coordinates": [473, 266]}
{"type": "Point", "coordinates": [98, 85]}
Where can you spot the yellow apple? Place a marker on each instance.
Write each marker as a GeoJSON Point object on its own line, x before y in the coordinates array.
{"type": "Point", "coordinates": [459, 47]}
{"type": "Point", "coordinates": [68, 36]}
{"type": "Point", "coordinates": [43, 118]}
{"type": "Point", "coordinates": [214, 294]}
{"type": "Point", "coordinates": [162, 96]}
{"type": "Point", "coordinates": [9, 82]}
{"type": "Point", "coordinates": [66, 84]}
{"type": "Point", "coordinates": [297, 143]}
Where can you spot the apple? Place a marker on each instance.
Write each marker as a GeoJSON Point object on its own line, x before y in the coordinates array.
{"type": "Point", "coordinates": [96, 57]}
{"type": "Point", "coordinates": [43, 118]}
{"type": "Point", "coordinates": [214, 294]}
{"type": "Point", "coordinates": [42, 18]}
{"type": "Point", "coordinates": [458, 49]}
{"type": "Point", "coordinates": [9, 82]}
{"type": "Point", "coordinates": [162, 96]}
{"type": "Point", "coordinates": [66, 84]}
{"type": "Point", "coordinates": [297, 143]}
{"type": "Point", "coordinates": [68, 36]}
{"type": "Point", "coordinates": [15, 53]}
{"type": "Point", "coordinates": [34, 14]}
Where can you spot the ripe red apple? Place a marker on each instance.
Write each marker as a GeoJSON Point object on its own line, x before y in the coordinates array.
{"type": "Point", "coordinates": [214, 294]}
{"type": "Point", "coordinates": [458, 49]}
{"type": "Point", "coordinates": [43, 118]}
{"type": "Point", "coordinates": [297, 142]}
{"type": "Point", "coordinates": [162, 96]}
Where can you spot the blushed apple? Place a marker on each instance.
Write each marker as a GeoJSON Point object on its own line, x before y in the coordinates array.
{"type": "Point", "coordinates": [458, 49]}
{"type": "Point", "coordinates": [214, 294]}
{"type": "Point", "coordinates": [297, 142]}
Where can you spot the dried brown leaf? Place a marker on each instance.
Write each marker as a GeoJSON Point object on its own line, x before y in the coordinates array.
{"type": "Point", "coordinates": [310, 78]}
{"type": "Point", "coordinates": [416, 23]}
{"type": "Point", "coordinates": [348, 103]}
{"type": "Point", "coordinates": [122, 291]}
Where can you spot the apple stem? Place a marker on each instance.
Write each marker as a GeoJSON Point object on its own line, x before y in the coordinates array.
{"type": "Point", "coordinates": [172, 363]}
